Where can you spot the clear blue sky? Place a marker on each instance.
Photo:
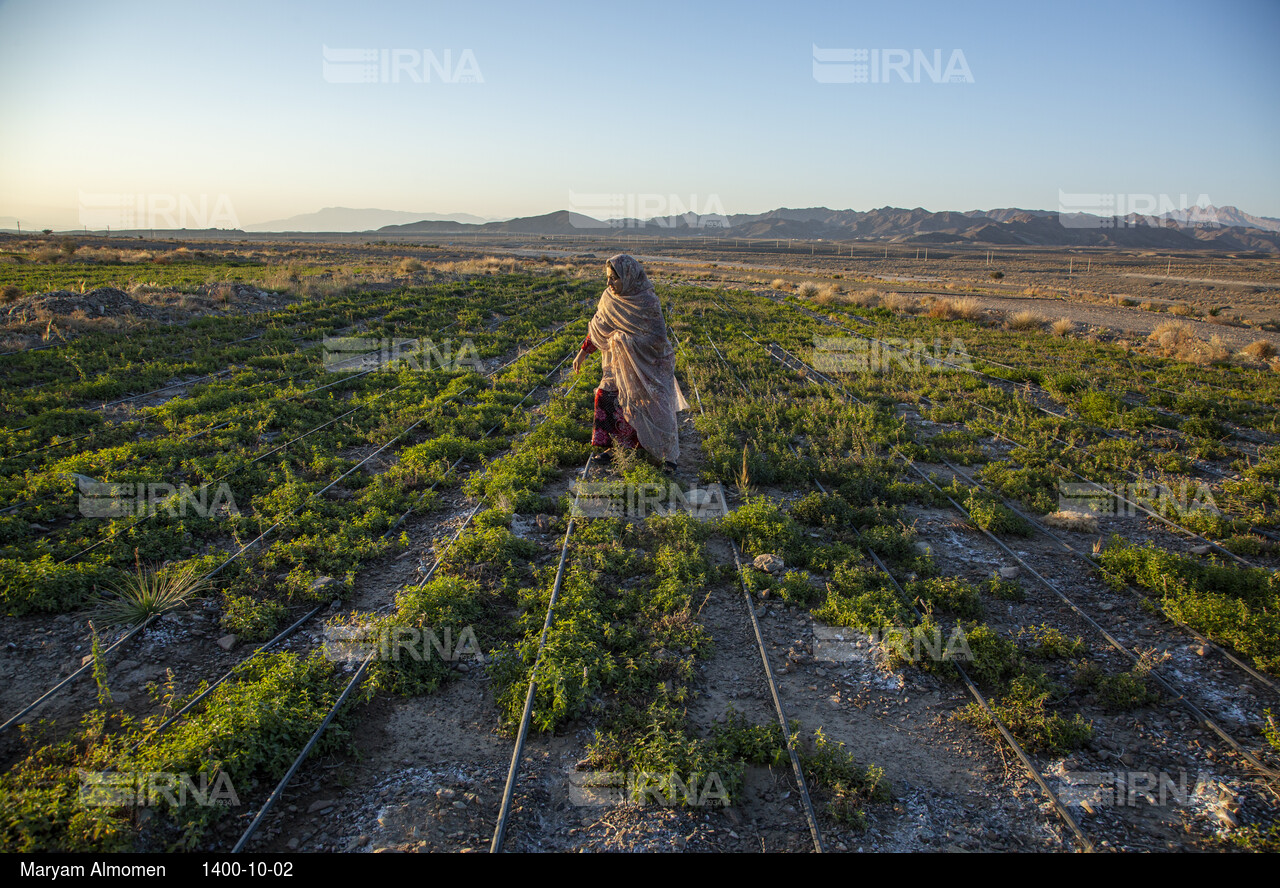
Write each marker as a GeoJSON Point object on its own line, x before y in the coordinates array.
{"type": "Point", "coordinates": [685, 98]}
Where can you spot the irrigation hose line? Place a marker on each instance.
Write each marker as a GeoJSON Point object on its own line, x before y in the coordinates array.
{"type": "Point", "coordinates": [1001, 416]}
{"type": "Point", "coordinates": [167, 723]}
{"type": "Point", "coordinates": [1062, 811]}
{"type": "Point", "coordinates": [1173, 692]}
{"type": "Point", "coordinates": [500, 830]}
{"type": "Point", "coordinates": [457, 462]}
{"type": "Point", "coordinates": [814, 832]}
{"type": "Point", "coordinates": [306, 751]}
{"type": "Point", "coordinates": [1040, 388]}
{"type": "Point", "coordinates": [257, 458]}
{"type": "Point", "coordinates": [73, 676]}
{"type": "Point", "coordinates": [284, 782]}
{"type": "Point", "coordinates": [355, 679]}
{"type": "Point", "coordinates": [210, 376]}
{"type": "Point", "coordinates": [219, 568]}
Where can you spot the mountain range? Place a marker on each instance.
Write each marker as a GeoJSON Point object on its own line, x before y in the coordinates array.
{"type": "Point", "coordinates": [1217, 228]}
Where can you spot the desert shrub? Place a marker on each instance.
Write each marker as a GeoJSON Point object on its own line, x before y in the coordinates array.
{"type": "Point", "coordinates": [1261, 350]}
{"type": "Point", "coordinates": [1025, 320]}
{"type": "Point", "coordinates": [902, 302]}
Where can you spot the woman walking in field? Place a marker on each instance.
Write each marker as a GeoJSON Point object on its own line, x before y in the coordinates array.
{"type": "Point", "coordinates": [638, 397]}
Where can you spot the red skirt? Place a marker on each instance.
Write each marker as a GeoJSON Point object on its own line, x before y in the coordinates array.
{"type": "Point", "coordinates": [610, 424]}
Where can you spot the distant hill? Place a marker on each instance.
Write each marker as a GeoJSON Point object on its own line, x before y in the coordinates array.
{"type": "Point", "coordinates": [559, 222]}
{"type": "Point", "coordinates": [1010, 226]}
{"type": "Point", "coordinates": [347, 219]}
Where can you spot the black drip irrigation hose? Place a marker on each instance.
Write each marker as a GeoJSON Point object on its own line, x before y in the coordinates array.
{"type": "Point", "coordinates": [815, 832]}
{"type": "Point", "coordinates": [12, 720]}
{"type": "Point", "coordinates": [504, 813]}
{"type": "Point", "coordinates": [233, 557]}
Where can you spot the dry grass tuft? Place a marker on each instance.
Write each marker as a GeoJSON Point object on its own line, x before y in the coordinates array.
{"type": "Point", "coordinates": [1261, 350]}
{"type": "Point", "coordinates": [1026, 320]}
{"type": "Point", "coordinates": [868, 298]}
{"type": "Point", "coordinates": [1176, 339]}
{"type": "Point", "coordinates": [903, 302]}
{"type": "Point", "coordinates": [807, 290]}
{"type": "Point", "coordinates": [1063, 327]}
{"type": "Point", "coordinates": [942, 310]}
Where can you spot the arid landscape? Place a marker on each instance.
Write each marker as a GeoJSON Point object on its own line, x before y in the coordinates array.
{"type": "Point", "coordinates": [697, 428]}
{"type": "Point", "coordinates": [188, 362]}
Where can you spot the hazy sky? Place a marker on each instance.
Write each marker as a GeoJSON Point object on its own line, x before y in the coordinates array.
{"type": "Point", "coordinates": [705, 106]}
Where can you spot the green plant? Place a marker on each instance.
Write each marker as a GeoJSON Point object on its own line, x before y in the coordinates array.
{"type": "Point", "coordinates": [150, 593]}
{"type": "Point", "coordinates": [252, 619]}
{"type": "Point", "coordinates": [831, 770]}
{"type": "Point", "coordinates": [1044, 642]}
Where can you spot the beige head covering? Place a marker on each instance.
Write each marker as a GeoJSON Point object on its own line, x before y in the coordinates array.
{"type": "Point", "coordinates": [639, 363]}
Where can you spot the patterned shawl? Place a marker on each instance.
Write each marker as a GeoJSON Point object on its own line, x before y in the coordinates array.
{"type": "Point", "coordinates": [639, 362]}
